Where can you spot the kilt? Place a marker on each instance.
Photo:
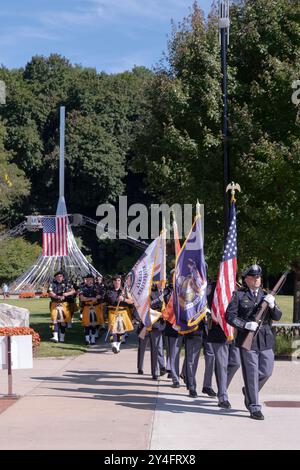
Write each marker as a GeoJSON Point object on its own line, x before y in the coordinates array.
{"type": "Point", "coordinates": [66, 312]}
{"type": "Point", "coordinates": [113, 313]}
{"type": "Point", "coordinates": [92, 314]}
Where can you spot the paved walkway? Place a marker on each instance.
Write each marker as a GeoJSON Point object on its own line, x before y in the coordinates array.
{"type": "Point", "coordinates": [97, 401]}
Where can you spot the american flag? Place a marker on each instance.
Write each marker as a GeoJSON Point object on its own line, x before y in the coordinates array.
{"type": "Point", "coordinates": [226, 281]}
{"type": "Point", "coordinates": [55, 236]}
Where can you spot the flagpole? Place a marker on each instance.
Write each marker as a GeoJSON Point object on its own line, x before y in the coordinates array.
{"type": "Point", "coordinates": [198, 208]}
{"type": "Point", "coordinates": [61, 206]}
{"type": "Point", "coordinates": [164, 272]}
{"type": "Point", "coordinates": [224, 25]}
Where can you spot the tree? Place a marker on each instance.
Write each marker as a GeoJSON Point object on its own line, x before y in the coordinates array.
{"type": "Point", "coordinates": [181, 143]}
{"type": "Point", "coordinates": [179, 148]}
{"type": "Point", "coordinates": [265, 53]}
{"type": "Point", "coordinates": [16, 256]}
{"type": "Point", "coordinates": [13, 184]}
{"type": "Point", "coordinates": [95, 163]}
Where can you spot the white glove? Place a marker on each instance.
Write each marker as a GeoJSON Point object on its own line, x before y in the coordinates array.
{"type": "Point", "coordinates": [270, 299]}
{"type": "Point", "coordinates": [251, 326]}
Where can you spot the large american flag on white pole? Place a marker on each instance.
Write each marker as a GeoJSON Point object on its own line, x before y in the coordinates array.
{"type": "Point", "coordinates": [55, 236]}
{"type": "Point", "coordinates": [226, 282]}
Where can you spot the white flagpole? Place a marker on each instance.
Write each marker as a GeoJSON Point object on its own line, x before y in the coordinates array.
{"type": "Point", "coordinates": [61, 206]}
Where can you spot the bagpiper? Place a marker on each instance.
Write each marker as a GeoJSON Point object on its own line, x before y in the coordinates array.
{"type": "Point", "coordinates": [60, 290]}
{"type": "Point", "coordinates": [90, 308]}
{"type": "Point", "coordinates": [101, 291]}
{"type": "Point", "coordinates": [118, 302]}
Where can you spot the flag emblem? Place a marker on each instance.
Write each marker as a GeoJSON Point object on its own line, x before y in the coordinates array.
{"type": "Point", "coordinates": [55, 236]}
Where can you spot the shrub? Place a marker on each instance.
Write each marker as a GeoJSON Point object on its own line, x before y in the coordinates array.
{"type": "Point", "coordinates": [27, 295]}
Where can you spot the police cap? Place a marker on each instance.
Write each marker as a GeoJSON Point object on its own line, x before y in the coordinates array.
{"type": "Point", "coordinates": [253, 270]}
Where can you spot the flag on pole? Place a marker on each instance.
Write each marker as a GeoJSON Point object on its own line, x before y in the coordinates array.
{"type": "Point", "coordinates": [226, 282]}
{"type": "Point", "coordinates": [190, 304]}
{"type": "Point", "coordinates": [159, 276]}
{"type": "Point", "coordinates": [168, 313]}
{"type": "Point", "coordinates": [176, 237]}
{"type": "Point", "coordinates": [55, 236]}
{"type": "Point", "coordinates": [151, 266]}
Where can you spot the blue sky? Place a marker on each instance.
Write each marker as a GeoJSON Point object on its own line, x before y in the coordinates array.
{"type": "Point", "coordinates": [110, 35]}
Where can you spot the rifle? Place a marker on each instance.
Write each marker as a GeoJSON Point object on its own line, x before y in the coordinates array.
{"type": "Point", "coordinates": [261, 314]}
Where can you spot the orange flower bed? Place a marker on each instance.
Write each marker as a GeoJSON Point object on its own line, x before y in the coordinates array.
{"type": "Point", "coordinates": [43, 296]}
{"type": "Point", "coordinates": [21, 330]}
{"type": "Point", "coordinates": [27, 295]}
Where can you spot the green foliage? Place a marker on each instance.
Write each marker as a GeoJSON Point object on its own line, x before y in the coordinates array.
{"type": "Point", "coordinates": [180, 151]}
{"type": "Point", "coordinates": [13, 184]}
{"type": "Point", "coordinates": [98, 177]}
{"type": "Point", "coordinates": [102, 118]}
{"type": "Point", "coordinates": [16, 256]}
{"type": "Point", "coordinates": [265, 55]}
{"type": "Point", "coordinates": [284, 345]}
{"type": "Point", "coordinates": [157, 136]}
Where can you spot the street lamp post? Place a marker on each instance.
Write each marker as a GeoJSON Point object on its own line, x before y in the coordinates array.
{"type": "Point", "coordinates": [224, 25]}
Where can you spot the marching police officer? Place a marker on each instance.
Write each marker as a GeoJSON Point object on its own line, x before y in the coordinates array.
{"type": "Point", "coordinates": [143, 343]}
{"type": "Point", "coordinates": [193, 342]}
{"type": "Point", "coordinates": [174, 342]}
{"type": "Point", "coordinates": [258, 363]}
{"type": "Point", "coordinates": [226, 354]}
{"type": "Point", "coordinates": [227, 362]}
{"type": "Point", "coordinates": [158, 366]}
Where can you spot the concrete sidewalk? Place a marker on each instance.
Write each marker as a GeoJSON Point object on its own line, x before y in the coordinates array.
{"type": "Point", "coordinates": [97, 401]}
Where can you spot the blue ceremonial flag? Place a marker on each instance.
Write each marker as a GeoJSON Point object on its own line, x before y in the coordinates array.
{"type": "Point", "coordinates": [190, 304]}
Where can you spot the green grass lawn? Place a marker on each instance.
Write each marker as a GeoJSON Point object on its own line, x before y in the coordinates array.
{"type": "Point", "coordinates": [285, 302]}
{"type": "Point", "coordinates": [40, 321]}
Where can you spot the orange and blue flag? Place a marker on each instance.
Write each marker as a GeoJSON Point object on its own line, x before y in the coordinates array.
{"type": "Point", "coordinates": [190, 282]}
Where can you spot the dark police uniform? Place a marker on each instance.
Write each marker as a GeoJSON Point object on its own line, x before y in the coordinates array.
{"type": "Point", "coordinates": [226, 354]}
{"type": "Point", "coordinates": [174, 342]}
{"type": "Point", "coordinates": [227, 360]}
{"type": "Point", "coordinates": [158, 366]}
{"type": "Point", "coordinates": [193, 343]}
{"type": "Point", "coordinates": [143, 344]}
{"type": "Point", "coordinates": [257, 364]}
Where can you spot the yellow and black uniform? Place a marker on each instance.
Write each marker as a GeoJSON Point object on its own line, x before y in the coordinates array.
{"type": "Point", "coordinates": [59, 289]}
{"type": "Point", "coordinates": [91, 309]}
{"type": "Point", "coordinates": [60, 310]}
{"type": "Point", "coordinates": [101, 291]}
{"type": "Point", "coordinates": [118, 316]}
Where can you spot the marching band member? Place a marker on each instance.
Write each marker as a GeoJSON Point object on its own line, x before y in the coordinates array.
{"type": "Point", "coordinates": [118, 301]}
{"type": "Point", "coordinates": [101, 290]}
{"type": "Point", "coordinates": [59, 292]}
{"type": "Point", "coordinates": [91, 310]}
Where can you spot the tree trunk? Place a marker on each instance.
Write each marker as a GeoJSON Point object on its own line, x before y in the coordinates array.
{"type": "Point", "coordinates": [296, 313]}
